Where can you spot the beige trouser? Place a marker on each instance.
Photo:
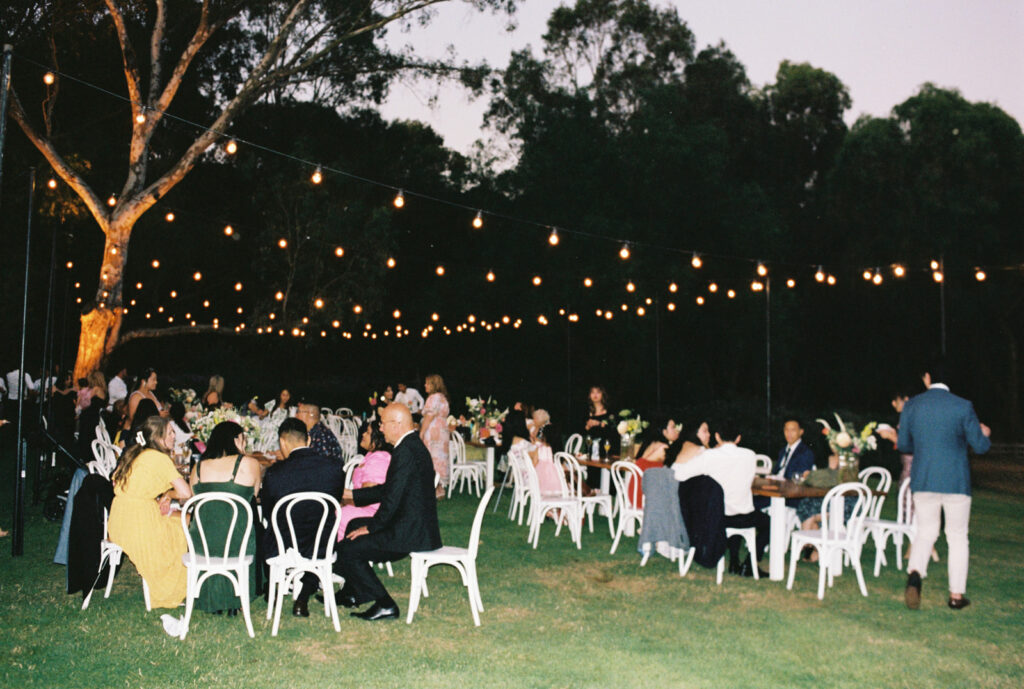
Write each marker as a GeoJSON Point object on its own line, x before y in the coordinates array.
{"type": "Point", "coordinates": [927, 509]}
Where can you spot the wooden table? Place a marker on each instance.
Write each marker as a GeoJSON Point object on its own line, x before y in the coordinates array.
{"type": "Point", "coordinates": [778, 542]}
{"type": "Point", "coordinates": [605, 465]}
{"type": "Point", "coordinates": [489, 455]}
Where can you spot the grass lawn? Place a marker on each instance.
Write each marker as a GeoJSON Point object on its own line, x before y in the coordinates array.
{"type": "Point", "coordinates": [554, 617]}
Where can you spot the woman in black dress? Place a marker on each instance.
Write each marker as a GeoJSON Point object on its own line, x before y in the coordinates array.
{"type": "Point", "coordinates": [600, 422]}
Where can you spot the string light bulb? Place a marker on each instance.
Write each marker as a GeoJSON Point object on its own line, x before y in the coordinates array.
{"type": "Point", "coordinates": [831, 279]}
{"type": "Point", "coordinates": [898, 270]}
{"type": "Point", "coordinates": [155, 263]}
{"type": "Point", "coordinates": [587, 282]}
{"type": "Point", "coordinates": [696, 261]}
{"type": "Point", "coordinates": [140, 118]}
{"type": "Point", "coordinates": [490, 276]}
{"type": "Point", "coordinates": [112, 201]}
{"type": "Point", "coordinates": [867, 275]}
{"type": "Point", "coordinates": [713, 287]}
{"type": "Point", "coordinates": [317, 176]}
{"type": "Point", "coordinates": [399, 200]}
{"type": "Point", "coordinates": [671, 306]}
{"type": "Point", "coordinates": [819, 275]}
{"type": "Point", "coordinates": [391, 262]}
{"type": "Point", "coordinates": [439, 270]}
{"type": "Point", "coordinates": [553, 237]}
{"type": "Point", "coordinates": [630, 287]}
{"type": "Point", "coordinates": [624, 251]}
{"type": "Point", "coordinates": [980, 275]}
{"type": "Point", "coordinates": [700, 301]}
{"type": "Point", "coordinates": [478, 221]}
{"type": "Point", "coordinates": [791, 283]}
{"type": "Point", "coordinates": [169, 217]}
{"type": "Point", "coordinates": [318, 303]}
{"type": "Point", "coordinates": [673, 287]}
{"type": "Point", "coordinates": [339, 251]}
{"type": "Point", "coordinates": [397, 314]}
{"type": "Point", "coordinates": [49, 78]}
{"type": "Point", "coordinates": [231, 147]}
{"type": "Point", "coordinates": [731, 294]}
{"type": "Point", "coordinates": [435, 316]}
{"type": "Point", "coordinates": [197, 276]}
{"type": "Point", "coordinates": [536, 280]}
{"type": "Point", "coordinates": [937, 275]}
{"type": "Point", "coordinates": [762, 269]}
{"type": "Point", "coordinates": [52, 183]}
{"type": "Point", "coordinates": [279, 296]}
{"type": "Point", "coordinates": [757, 286]}
{"type": "Point", "coordinates": [877, 278]}
{"type": "Point", "coordinates": [356, 308]}
{"type": "Point", "coordinates": [228, 230]}
{"type": "Point", "coordinates": [934, 264]}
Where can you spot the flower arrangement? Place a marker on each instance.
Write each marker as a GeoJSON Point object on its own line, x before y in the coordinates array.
{"type": "Point", "coordinates": [844, 439]}
{"type": "Point", "coordinates": [485, 414]}
{"type": "Point", "coordinates": [203, 426]}
{"type": "Point", "coordinates": [186, 396]}
{"type": "Point", "coordinates": [630, 424]}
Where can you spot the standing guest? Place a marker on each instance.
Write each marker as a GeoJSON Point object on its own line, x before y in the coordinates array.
{"type": "Point", "coordinates": [434, 427]}
{"type": "Point", "coordinates": [899, 399]}
{"type": "Point", "coordinates": [600, 423]}
{"type": "Point", "coordinates": [64, 410]}
{"type": "Point", "coordinates": [411, 398]}
{"type": "Point", "coordinates": [302, 470]}
{"type": "Point", "coordinates": [224, 468]}
{"type": "Point", "coordinates": [655, 444]}
{"type": "Point", "coordinates": [370, 473]}
{"type": "Point", "coordinates": [140, 518]}
{"type": "Point", "coordinates": [88, 421]}
{"type": "Point", "coordinates": [98, 384]}
{"type": "Point", "coordinates": [732, 467]}
{"type": "Point", "coordinates": [84, 395]}
{"type": "Point", "coordinates": [144, 390]}
{"type": "Point", "coordinates": [405, 522]}
{"type": "Point", "coordinates": [321, 440]}
{"type": "Point", "coordinates": [214, 393]}
{"type": "Point", "coordinates": [936, 427]}
{"type": "Point", "coordinates": [388, 396]}
{"type": "Point", "coordinates": [117, 389]}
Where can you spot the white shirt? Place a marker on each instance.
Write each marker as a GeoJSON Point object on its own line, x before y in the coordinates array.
{"type": "Point", "coordinates": [731, 467]}
{"type": "Point", "coordinates": [12, 383]}
{"type": "Point", "coordinates": [410, 398]}
{"type": "Point", "coordinates": [116, 390]}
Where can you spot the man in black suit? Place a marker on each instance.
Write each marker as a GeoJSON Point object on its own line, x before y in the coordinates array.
{"type": "Point", "coordinates": [406, 520]}
{"type": "Point", "coordinates": [301, 470]}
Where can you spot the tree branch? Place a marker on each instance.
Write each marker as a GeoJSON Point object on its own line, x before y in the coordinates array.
{"type": "Point", "coordinates": [131, 67]}
{"type": "Point", "coordinates": [60, 166]}
{"type": "Point", "coordinates": [176, 330]}
{"type": "Point", "coordinates": [155, 62]}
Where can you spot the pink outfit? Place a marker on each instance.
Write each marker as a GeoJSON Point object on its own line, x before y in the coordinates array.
{"type": "Point", "coordinates": [547, 472]}
{"type": "Point", "coordinates": [84, 398]}
{"type": "Point", "coordinates": [435, 436]}
{"type": "Point", "coordinates": [374, 469]}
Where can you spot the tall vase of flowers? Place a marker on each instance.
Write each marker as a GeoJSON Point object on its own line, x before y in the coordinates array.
{"type": "Point", "coordinates": [629, 428]}
{"type": "Point", "coordinates": [849, 445]}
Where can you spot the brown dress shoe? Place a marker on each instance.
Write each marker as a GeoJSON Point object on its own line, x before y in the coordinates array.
{"type": "Point", "coordinates": [959, 603]}
{"type": "Point", "coordinates": [912, 594]}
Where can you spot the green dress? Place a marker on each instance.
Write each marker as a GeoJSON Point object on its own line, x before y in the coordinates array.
{"type": "Point", "coordinates": [217, 592]}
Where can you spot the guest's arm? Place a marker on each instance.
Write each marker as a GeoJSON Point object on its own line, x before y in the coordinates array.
{"type": "Point", "coordinates": [974, 430]}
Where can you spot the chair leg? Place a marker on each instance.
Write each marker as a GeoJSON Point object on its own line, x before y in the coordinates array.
{"type": "Point", "coordinates": [855, 562]}
{"type": "Point", "coordinates": [190, 598]}
{"type": "Point", "coordinates": [720, 570]}
{"type": "Point", "coordinates": [414, 587]}
{"type": "Point", "coordinates": [824, 569]}
{"type": "Point", "coordinates": [471, 569]}
{"type": "Point", "coordinates": [330, 606]}
{"type": "Point", "coordinates": [271, 591]}
{"type": "Point", "coordinates": [145, 595]}
{"type": "Point", "coordinates": [243, 586]}
{"type": "Point", "coordinates": [474, 596]}
{"type": "Point", "coordinates": [113, 560]}
{"type": "Point", "coordinates": [794, 555]}
{"type": "Point", "coordinates": [685, 560]}
{"type": "Point", "coordinates": [282, 591]}
{"type": "Point", "coordinates": [617, 536]}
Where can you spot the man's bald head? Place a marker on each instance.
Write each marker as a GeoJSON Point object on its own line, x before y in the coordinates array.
{"type": "Point", "coordinates": [395, 421]}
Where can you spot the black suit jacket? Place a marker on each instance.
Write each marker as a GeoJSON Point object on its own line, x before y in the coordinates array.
{"type": "Point", "coordinates": [304, 470]}
{"type": "Point", "coordinates": [406, 520]}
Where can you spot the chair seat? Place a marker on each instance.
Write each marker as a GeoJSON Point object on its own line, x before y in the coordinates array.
{"type": "Point", "coordinates": [219, 562]}
{"type": "Point", "coordinates": [293, 559]}
{"type": "Point", "coordinates": [447, 552]}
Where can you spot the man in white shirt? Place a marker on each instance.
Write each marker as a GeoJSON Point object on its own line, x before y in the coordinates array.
{"type": "Point", "coordinates": [410, 397]}
{"type": "Point", "coordinates": [117, 388]}
{"type": "Point", "coordinates": [732, 467]}
{"type": "Point", "coordinates": [13, 378]}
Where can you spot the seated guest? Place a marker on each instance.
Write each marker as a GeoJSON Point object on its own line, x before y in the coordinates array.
{"type": "Point", "coordinates": [89, 420]}
{"type": "Point", "coordinates": [321, 440]}
{"type": "Point", "coordinates": [370, 473]}
{"type": "Point", "coordinates": [795, 459]}
{"type": "Point", "coordinates": [655, 444]}
{"type": "Point", "coordinates": [224, 468]}
{"type": "Point", "coordinates": [693, 444]}
{"type": "Point", "coordinates": [732, 467]}
{"type": "Point", "coordinates": [84, 395]}
{"type": "Point", "coordinates": [182, 431]}
{"type": "Point", "coordinates": [140, 518]}
{"type": "Point", "coordinates": [548, 442]}
{"type": "Point", "coordinates": [301, 470]}
{"type": "Point", "coordinates": [214, 397]}
{"type": "Point", "coordinates": [405, 522]}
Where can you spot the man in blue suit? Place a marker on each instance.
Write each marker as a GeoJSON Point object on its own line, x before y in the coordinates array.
{"type": "Point", "coordinates": [937, 427]}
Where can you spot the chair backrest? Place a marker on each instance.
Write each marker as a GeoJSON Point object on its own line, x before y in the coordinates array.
{"type": "Point", "coordinates": [876, 479]}
{"type": "Point", "coordinates": [211, 504]}
{"type": "Point", "coordinates": [344, 412]}
{"type": "Point", "coordinates": [905, 503]}
{"type": "Point", "coordinates": [106, 458]}
{"type": "Point", "coordinates": [622, 473]}
{"type": "Point", "coordinates": [348, 436]}
{"type": "Point", "coordinates": [478, 518]}
{"type": "Point", "coordinates": [456, 448]}
{"type": "Point", "coordinates": [763, 466]}
{"type": "Point", "coordinates": [571, 472]}
{"type": "Point", "coordinates": [832, 506]}
{"type": "Point", "coordinates": [326, 411]}
{"type": "Point", "coordinates": [350, 467]}
{"type": "Point", "coordinates": [522, 467]}
{"type": "Point", "coordinates": [326, 534]}
{"type": "Point", "coordinates": [101, 432]}
{"type": "Point", "coordinates": [573, 443]}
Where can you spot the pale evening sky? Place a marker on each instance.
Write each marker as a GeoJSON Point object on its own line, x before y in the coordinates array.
{"type": "Point", "coordinates": [881, 49]}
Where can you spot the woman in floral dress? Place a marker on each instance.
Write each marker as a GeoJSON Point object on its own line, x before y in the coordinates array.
{"type": "Point", "coordinates": [434, 428]}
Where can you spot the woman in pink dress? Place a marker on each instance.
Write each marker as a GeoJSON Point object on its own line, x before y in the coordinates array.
{"type": "Point", "coordinates": [371, 472]}
{"type": "Point", "coordinates": [434, 428]}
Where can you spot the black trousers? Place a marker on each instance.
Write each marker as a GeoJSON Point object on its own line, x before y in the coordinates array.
{"type": "Point", "coordinates": [760, 521]}
{"type": "Point", "coordinates": [353, 563]}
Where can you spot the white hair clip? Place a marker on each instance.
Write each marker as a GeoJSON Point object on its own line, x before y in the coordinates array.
{"type": "Point", "coordinates": [139, 438]}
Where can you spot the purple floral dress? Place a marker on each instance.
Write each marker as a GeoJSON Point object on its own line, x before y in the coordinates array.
{"type": "Point", "coordinates": [435, 436]}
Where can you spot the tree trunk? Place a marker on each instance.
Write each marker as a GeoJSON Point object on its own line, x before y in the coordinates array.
{"type": "Point", "coordinates": [101, 324]}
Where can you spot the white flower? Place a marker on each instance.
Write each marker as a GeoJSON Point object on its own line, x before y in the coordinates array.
{"type": "Point", "coordinates": [843, 439]}
{"type": "Point", "coordinates": [622, 428]}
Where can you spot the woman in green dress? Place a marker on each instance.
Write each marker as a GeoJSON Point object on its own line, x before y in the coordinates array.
{"type": "Point", "coordinates": [224, 468]}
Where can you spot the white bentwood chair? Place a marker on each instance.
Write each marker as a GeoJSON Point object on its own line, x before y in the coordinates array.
{"type": "Point", "coordinates": [834, 539]}
{"type": "Point", "coordinates": [462, 559]}
{"type": "Point", "coordinates": [625, 474]}
{"type": "Point", "coordinates": [231, 563]}
{"type": "Point", "coordinates": [904, 526]}
{"type": "Point", "coordinates": [472, 473]}
{"type": "Point", "coordinates": [288, 566]}
{"type": "Point", "coordinates": [110, 554]}
{"type": "Point", "coordinates": [563, 508]}
{"type": "Point", "coordinates": [573, 443]}
{"type": "Point", "coordinates": [763, 465]}
{"type": "Point", "coordinates": [588, 503]}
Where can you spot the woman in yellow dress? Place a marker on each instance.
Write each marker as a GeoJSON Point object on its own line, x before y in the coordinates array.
{"type": "Point", "coordinates": [144, 481]}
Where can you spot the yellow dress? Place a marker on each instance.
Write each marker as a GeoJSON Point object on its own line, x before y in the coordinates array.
{"type": "Point", "coordinates": [153, 542]}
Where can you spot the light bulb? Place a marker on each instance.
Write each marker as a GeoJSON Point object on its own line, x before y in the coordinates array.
{"type": "Point", "coordinates": [439, 270]}
{"type": "Point", "coordinates": [700, 301]}
{"type": "Point", "coordinates": [696, 261]}
{"type": "Point", "coordinates": [391, 262]}
{"type": "Point", "coordinates": [536, 280]}
{"type": "Point", "coordinates": [831, 279]}
{"type": "Point", "coordinates": [318, 303]}
{"type": "Point", "coordinates": [197, 276]}
{"type": "Point", "coordinates": [934, 264]}
{"type": "Point", "coordinates": [587, 282]}
{"type": "Point", "coordinates": [877, 278]}
{"type": "Point", "coordinates": [819, 275]}
{"type": "Point", "coordinates": [231, 147]}
{"type": "Point", "coordinates": [553, 238]}
{"type": "Point", "coordinates": [937, 275]}
{"type": "Point", "coordinates": [478, 221]}
{"type": "Point", "coordinates": [867, 275]}
{"type": "Point", "coordinates": [49, 78]}
{"type": "Point", "coordinates": [399, 200]}
{"type": "Point", "coordinates": [112, 200]}
{"type": "Point", "coordinates": [713, 287]}
{"type": "Point", "coordinates": [396, 313]}
{"type": "Point", "coordinates": [671, 306]}
{"type": "Point", "coordinates": [155, 263]}
{"type": "Point", "coordinates": [731, 294]}
{"type": "Point", "coordinates": [317, 176]}
{"type": "Point", "coordinates": [228, 230]}
{"type": "Point", "coordinates": [898, 270]}
{"type": "Point", "coordinates": [52, 183]}
{"type": "Point", "coordinates": [624, 251]}
{"type": "Point", "coordinates": [630, 287]}
{"type": "Point", "coordinates": [140, 118]}
{"type": "Point", "coordinates": [357, 309]}
{"type": "Point", "coordinates": [790, 283]}
{"type": "Point", "coordinates": [339, 251]}
{"type": "Point", "coordinates": [282, 243]}
{"type": "Point", "coordinates": [490, 276]}
{"type": "Point", "coordinates": [279, 296]}
{"type": "Point", "coordinates": [979, 275]}
{"type": "Point", "coordinates": [169, 217]}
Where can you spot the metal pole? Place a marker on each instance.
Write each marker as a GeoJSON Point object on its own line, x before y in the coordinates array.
{"type": "Point", "coordinates": [18, 530]}
{"type": "Point", "coordinates": [45, 386]}
{"type": "Point", "coordinates": [942, 303]}
{"type": "Point", "coordinates": [568, 371]}
{"type": "Point", "coordinates": [768, 350]}
{"type": "Point", "coordinates": [5, 87]}
{"type": "Point", "coordinates": [657, 351]}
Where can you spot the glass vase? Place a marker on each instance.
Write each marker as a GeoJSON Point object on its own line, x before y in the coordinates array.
{"type": "Point", "coordinates": [849, 468]}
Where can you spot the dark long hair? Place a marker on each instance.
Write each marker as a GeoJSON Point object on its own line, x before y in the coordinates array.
{"type": "Point", "coordinates": [152, 430]}
{"type": "Point", "coordinates": [377, 440]}
{"type": "Point", "coordinates": [604, 398]}
{"type": "Point", "coordinates": [177, 415]}
{"type": "Point", "coordinates": [515, 425]}
{"type": "Point", "coordinates": [143, 377]}
{"type": "Point", "coordinates": [222, 440]}
{"type": "Point", "coordinates": [654, 432]}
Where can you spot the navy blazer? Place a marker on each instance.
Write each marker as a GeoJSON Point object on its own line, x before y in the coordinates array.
{"type": "Point", "coordinates": [937, 427]}
{"type": "Point", "coordinates": [801, 461]}
{"type": "Point", "coordinates": [303, 470]}
{"type": "Point", "coordinates": [406, 520]}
